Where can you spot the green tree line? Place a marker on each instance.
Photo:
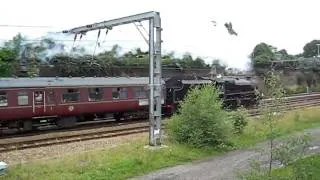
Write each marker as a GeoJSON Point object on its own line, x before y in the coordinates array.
{"type": "Point", "coordinates": [21, 57]}
{"type": "Point", "coordinates": [264, 54]}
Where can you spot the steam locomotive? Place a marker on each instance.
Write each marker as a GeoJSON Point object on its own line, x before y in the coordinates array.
{"type": "Point", "coordinates": [27, 103]}
{"type": "Point", "coordinates": [234, 91]}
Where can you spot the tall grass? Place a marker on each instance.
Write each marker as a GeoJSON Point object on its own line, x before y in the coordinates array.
{"type": "Point", "coordinates": [304, 169]}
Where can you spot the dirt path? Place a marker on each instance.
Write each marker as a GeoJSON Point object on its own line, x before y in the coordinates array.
{"type": "Point", "coordinates": [223, 167]}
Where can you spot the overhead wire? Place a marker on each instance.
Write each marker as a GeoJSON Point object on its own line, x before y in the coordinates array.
{"type": "Point", "coordinates": [96, 43]}
{"type": "Point", "coordinates": [24, 26]}
{"type": "Point", "coordinates": [74, 41]}
{"type": "Point", "coordinates": [145, 39]}
{"type": "Point", "coordinates": [67, 40]}
{"type": "Point", "coordinates": [104, 39]}
{"type": "Point", "coordinates": [143, 28]}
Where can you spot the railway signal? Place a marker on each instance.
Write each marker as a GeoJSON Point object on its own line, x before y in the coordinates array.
{"type": "Point", "coordinates": [155, 74]}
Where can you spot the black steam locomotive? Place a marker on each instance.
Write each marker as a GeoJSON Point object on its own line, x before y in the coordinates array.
{"type": "Point", "coordinates": [234, 91]}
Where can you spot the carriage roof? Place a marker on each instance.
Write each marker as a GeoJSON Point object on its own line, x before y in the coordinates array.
{"type": "Point", "coordinates": [74, 81]}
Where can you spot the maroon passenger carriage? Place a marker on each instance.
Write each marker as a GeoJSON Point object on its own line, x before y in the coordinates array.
{"type": "Point", "coordinates": [28, 102]}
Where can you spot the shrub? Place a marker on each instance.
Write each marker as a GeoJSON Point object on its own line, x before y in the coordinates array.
{"type": "Point", "coordinates": [201, 120]}
{"type": "Point", "coordinates": [294, 148]}
{"type": "Point", "coordinates": [239, 120]}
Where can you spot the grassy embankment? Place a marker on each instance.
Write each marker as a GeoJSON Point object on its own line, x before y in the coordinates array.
{"type": "Point", "coordinates": [131, 160]}
{"type": "Point", "coordinates": [309, 168]}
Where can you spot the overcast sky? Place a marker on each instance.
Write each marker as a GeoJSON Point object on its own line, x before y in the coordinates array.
{"type": "Point", "coordinates": [187, 26]}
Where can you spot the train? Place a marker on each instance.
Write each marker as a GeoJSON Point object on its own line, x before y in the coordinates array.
{"type": "Point", "coordinates": [27, 103]}
{"type": "Point", "coordinates": [234, 91]}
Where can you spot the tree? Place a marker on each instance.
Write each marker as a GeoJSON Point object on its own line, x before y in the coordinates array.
{"type": "Point", "coordinates": [136, 58]}
{"type": "Point", "coordinates": [262, 53]}
{"type": "Point", "coordinates": [7, 58]}
{"type": "Point", "coordinates": [9, 55]}
{"type": "Point", "coordinates": [271, 114]}
{"type": "Point", "coordinates": [15, 44]}
{"type": "Point", "coordinates": [110, 58]}
{"type": "Point", "coordinates": [198, 63]}
{"type": "Point", "coordinates": [186, 60]}
{"type": "Point", "coordinates": [168, 59]}
{"type": "Point", "coordinates": [311, 49]}
{"type": "Point", "coordinates": [201, 120]}
{"type": "Point", "coordinates": [283, 55]}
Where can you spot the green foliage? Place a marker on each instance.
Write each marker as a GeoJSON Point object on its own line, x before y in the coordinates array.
{"type": "Point", "coordinates": [287, 153]}
{"type": "Point", "coordinates": [311, 49]}
{"type": "Point", "coordinates": [291, 90]}
{"type": "Point", "coordinates": [256, 172]}
{"type": "Point", "coordinates": [132, 159]}
{"type": "Point", "coordinates": [292, 149]}
{"type": "Point", "coordinates": [262, 53]}
{"type": "Point", "coordinates": [47, 51]}
{"type": "Point", "coordinates": [9, 54]}
{"type": "Point", "coordinates": [15, 44]}
{"type": "Point", "coordinates": [306, 169]}
{"type": "Point", "coordinates": [303, 169]}
{"type": "Point", "coordinates": [7, 59]}
{"type": "Point", "coordinates": [111, 163]}
{"type": "Point", "coordinates": [201, 120]}
{"type": "Point", "coordinates": [240, 120]}
{"type": "Point", "coordinates": [110, 63]}
{"type": "Point", "coordinates": [271, 112]}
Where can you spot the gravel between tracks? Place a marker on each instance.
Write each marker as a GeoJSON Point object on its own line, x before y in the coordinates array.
{"type": "Point", "coordinates": [60, 150]}
{"type": "Point", "coordinates": [224, 166]}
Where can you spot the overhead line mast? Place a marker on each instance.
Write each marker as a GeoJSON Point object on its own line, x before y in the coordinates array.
{"type": "Point", "coordinates": [155, 74]}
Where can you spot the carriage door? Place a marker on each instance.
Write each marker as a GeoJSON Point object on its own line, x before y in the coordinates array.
{"type": "Point", "coordinates": [38, 102]}
{"type": "Point", "coordinates": [50, 103]}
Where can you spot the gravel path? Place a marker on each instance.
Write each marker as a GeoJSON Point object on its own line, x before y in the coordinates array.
{"type": "Point", "coordinates": [223, 167]}
{"type": "Point", "coordinates": [58, 151]}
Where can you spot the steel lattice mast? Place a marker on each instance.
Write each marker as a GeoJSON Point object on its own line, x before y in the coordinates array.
{"type": "Point", "coordinates": [155, 74]}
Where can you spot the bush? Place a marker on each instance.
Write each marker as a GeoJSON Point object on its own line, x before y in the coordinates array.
{"type": "Point", "coordinates": [295, 148]}
{"type": "Point", "coordinates": [201, 120]}
{"type": "Point", "coordinates": [291, 90]}
{"type": "Point", "coordinates": [239, 120]}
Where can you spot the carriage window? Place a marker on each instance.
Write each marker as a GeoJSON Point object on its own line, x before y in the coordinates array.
{"type": "Point", "coordinates": [119, 93]}
{"type": "Point", "coordinates": [50, 97]}
{"type": "Point", "coordinates": [139, 92]}
{"type": "Point", "coordinates": [23, 98]}
{"type": "Point", "coordinates": [95, 94]}
{"type": "Point", "coordinates": [38, 97]}
{"type": "Point", "coordinates": [71, 95]}
{"type": "Point", "coordinates": [3, 99]}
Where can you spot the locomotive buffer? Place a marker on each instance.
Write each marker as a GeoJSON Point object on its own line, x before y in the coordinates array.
{"type": "Point", "coordinates": [155, 86]}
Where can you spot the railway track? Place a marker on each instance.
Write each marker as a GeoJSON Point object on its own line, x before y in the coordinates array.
{"type": "Point", "coordinates": [120, 129]}
{"type": "Point", "coordinates": [17, 143]}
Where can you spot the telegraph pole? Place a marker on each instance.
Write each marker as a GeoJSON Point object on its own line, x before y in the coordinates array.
{"type": "Point", "coordinates": [318, 50]}
{"type": "Point", "coordinates": [155, 74]}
